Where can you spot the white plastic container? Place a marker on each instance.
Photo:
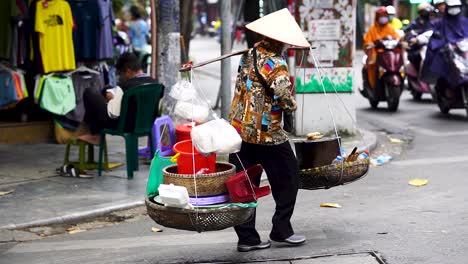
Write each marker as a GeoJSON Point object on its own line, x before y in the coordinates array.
{"type": "Point", "coordinates": [174, 196]}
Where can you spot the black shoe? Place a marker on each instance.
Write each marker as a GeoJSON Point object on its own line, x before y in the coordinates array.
{"type": "Point", "coordinates": [261, 245]}
{"type": "Point", "coordinates": [292, 240]}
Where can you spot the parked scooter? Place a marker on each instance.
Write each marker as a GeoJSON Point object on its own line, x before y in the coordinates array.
{"type": "Point", "coordinates": [451, 92]}
{"type": "Point", "coordinates": [416, 85]}
{"type": "Point", "coordinates": [389, 83]}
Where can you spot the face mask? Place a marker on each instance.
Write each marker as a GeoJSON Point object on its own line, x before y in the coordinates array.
{"type": "Point", "coordinates": [382, 20]}
{"type": "Point", "coordinates": [453, 11]}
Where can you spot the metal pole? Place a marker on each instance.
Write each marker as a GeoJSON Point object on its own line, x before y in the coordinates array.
{"type": "Point", "coordinates": [226, 21]}
{"type": "Point", "coordinates": [154, 43]}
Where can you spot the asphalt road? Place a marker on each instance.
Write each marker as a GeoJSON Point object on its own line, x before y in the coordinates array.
{"type": "Point", "coordinates": [381, 213]}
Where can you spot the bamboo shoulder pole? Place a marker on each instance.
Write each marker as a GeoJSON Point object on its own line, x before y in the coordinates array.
{"type": "Point", "coordinates": [188, 66]}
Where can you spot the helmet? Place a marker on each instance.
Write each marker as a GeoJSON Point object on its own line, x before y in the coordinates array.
{"type": "Point", "coordinates": [391, 10]}
{"type": "Point", "coordinates": [436, 2]}
{"type": "Point", "coordinates": [453, 2]}
{"type": "Point", "coordinates": [425, 7]}
{"type": "Point", "coordinates": [381, 10]}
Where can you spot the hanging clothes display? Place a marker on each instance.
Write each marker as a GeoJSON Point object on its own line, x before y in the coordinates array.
{"type": "Point", "coordinates": [49, 39]}
{"type": "Point", "coordinates": [8, 11]}
{"type": "Point", "coordinates": [7, 89]}
{"type": "Point", "coordinates": [57, 95]}
{"type": "Point", "coordinates": [54, 22]}
{"type": "Point", "coordinates": [86, 33]}
{"type": "Point", "coordinates": [82, 80]}
{"type": "Point", "coordinates": [12, 87]}
{"type": "Point", "coordinates": [106, 22]}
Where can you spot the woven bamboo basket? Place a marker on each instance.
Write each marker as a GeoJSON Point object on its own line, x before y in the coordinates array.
{"type": "Point", "coordinates": [200, 220]}
{"type": "Point", "coordinates": [328, 176]}
{"type": "Point", "coordinates": [209, 184]}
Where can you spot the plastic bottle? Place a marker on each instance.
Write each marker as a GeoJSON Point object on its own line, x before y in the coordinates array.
{"type": "Point", "coordinates": [363, 155]}
{"type": "Point", "coordinates": [337, 160]}
{"type": "Point", "coordinates": [343, 152]}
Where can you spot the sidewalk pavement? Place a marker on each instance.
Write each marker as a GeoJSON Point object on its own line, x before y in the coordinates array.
{"type": "Point", "coordinates": [40, 197]}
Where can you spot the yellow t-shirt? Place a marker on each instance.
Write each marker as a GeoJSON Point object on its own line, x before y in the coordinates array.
{"type": "Point", "coordinates": [55, 25]}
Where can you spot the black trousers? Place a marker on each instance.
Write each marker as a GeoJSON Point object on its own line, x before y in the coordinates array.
{"type": "Point", "coordinates": [281, 168]}
{"type": "Point", "coordinates": [96, 115]}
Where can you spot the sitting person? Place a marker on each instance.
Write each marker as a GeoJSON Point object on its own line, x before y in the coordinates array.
{"type": "Point", "coordinates": [104, 111]}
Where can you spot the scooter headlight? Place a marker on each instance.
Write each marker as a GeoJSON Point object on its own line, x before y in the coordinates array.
{"type": "Point", "coordinates": [390, 43]}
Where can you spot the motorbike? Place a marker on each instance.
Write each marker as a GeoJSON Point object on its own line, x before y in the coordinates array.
{"type": "Point", "coordinates": [390, 75]}
{"type": "Point", "coordinates": [416, 85]}
{"type": "Point", "coordinates": [451, 92]}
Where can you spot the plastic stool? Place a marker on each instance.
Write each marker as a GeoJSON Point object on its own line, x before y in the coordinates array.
{"type": "Point", "coordinates": [82, 164]}
{"type": "Point", "coordinates": [163, 149]}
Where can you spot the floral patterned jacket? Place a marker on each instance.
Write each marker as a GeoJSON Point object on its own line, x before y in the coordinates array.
{"type": "Point", "coordinates": [255, 115]}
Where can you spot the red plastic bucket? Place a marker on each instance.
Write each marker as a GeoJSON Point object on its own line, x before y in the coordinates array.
{"type": "Point", "coordinates": [183, 132]}
{"type": "Point", "coordinates": [185, 159]}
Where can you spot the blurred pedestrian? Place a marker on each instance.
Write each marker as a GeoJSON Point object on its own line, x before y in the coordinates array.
{"type": "Point", "coordinates": [138, 30]}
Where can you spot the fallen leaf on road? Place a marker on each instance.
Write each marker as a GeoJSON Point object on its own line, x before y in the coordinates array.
{"type": "Point", "coordinates": [155, 229]}
{"type": "Point", "coordinates": [74, 230]}
{"type": "Point", "coordinates": [418, 182]}
{"type": "Point", "coordinates": [6, 193]}
{"type": "Point", "coordinates": [330, 205]}
{"type": "Point", "coordinates": [395, 140]}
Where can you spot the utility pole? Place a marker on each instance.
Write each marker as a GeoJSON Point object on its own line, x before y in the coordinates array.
{"type": "Point", "coordinates": [168, 44]}
{"type": "Point", "coordinates": [226, 21]}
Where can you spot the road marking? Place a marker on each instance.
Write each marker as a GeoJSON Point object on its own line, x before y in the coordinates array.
{"type": "Point", "coordinates": [136, 242]}
{"type": "Point", "coordinates": [434, 133]}
{"type": "Point", "coordinates": [416, 129]}
{"type": "Point", "coordinates": [430, 161]}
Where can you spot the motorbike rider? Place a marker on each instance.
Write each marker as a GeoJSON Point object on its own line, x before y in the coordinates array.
{"type": "Point", "coordinates": [420, 25]}
{"type": "Point", "coordinates": [439, 7]}
{"type": "Point", "coordinates": [451, 28]}
{"type": "Point", "coordinates": [394, 21]}
{"type": "Point", "coordinates": [381, 29]}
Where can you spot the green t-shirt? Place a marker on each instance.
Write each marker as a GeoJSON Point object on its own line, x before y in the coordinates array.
{"type": "Point", "coordinates": [8, 9]}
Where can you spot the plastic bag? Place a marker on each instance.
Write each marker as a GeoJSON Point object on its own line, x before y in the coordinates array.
{"type": "Point", "coordinates": [216, 136]}
{"type": "Point", "coordinates": [196, 110]}
{"type": "Point", "coordinates": [155, 178]}
{"type": "Point", "coordinates": [189, 105]}
{"type": "Point", "coordinates": [183, 91]}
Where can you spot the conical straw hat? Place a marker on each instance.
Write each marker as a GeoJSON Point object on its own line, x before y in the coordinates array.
{"type": "Point", "coordinates": [280, 26]}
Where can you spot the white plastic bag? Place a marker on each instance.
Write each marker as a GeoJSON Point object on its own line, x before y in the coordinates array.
{"type": "Point", "coordinates": [183, 91]}
{"type": "Point", "coordinates": [197, 112]}
{"type": "Point", "coordinates": [216, 136]}
{"type": "Point", "coordinates": [189, 105]}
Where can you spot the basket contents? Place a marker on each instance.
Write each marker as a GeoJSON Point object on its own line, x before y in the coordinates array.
{"type": "Point", "coordinates": [209, 200]}
{"type": "Point", "coordinates": [155, 177]}
{"type": "Point", "coordinates": [243, 190]}
{"type": "Point", "coordinates": [314, 136]}
{"type": "Point", "coordinates": [174, 196]}
{"type": "Point", "coordinates": [204, 184]}
{"type": "Point", "coordinates": [190, 157]}
{"type": "Point", "coordinates": [324, 165]}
